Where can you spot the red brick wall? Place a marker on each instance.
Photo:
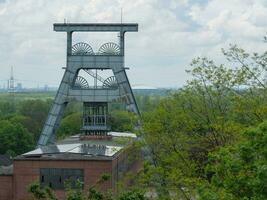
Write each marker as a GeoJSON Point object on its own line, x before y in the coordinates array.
{"type": "Point", "coordinates": [131, 160]}
{"type": "Point", "coordinates": [6, 187]}
{"type": "Point", "coordinates": [26, 172]}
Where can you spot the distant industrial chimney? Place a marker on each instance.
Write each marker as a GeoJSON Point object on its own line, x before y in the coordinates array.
{"type": "Point", "coordinates": [10, 82]}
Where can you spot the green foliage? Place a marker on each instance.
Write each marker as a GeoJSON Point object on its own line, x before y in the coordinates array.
{"type": "Point", "coordinates": [21, 123]}
{"type": "Point", "coordinates": [41, 193]}
{"type": "Point", "coordinates": [36, 111]}
{"type": "Point", "coordinates": [74, 194]}
{"type": "Point", "coordinates": [27, 122]}
{"type": "Point", "coordinates": [148, 103]}
{"type": "Point", "coordinates": [122, 121]}
{"type": "Point", "coordinates": [239, 171]}
{"type": "Point", "coordinates": [15, 139]}
{"type": "Point", "coordinates": [94, 191]}
{"type": "Point", "coordinates": [169, 155]}
{"type": "Point", "coordinates": [209, 113]}
{"type": "Point", "coordinates": [73, 107]}
{"type": "Point", "coordinates": [6, 109]}
{"type": "Point", "coordinates": [77, 193]}
{"type": "Point", "coordinates": [30, 114]}
{"type": "Point", "coordinates": [36, 190]}
{"type": "Point", "coordinates": [70, 125]}
{"type": "Point", "coordinates": [132, 195]}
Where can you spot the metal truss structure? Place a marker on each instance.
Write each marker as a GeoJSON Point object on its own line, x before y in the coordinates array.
{"type": "Point", "coordinates": [95, 99]}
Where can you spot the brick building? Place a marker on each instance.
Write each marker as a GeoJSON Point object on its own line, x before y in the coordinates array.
{"type": "Point", "coordinates": [6, 177]}
{"type": "Point", "coordinates": [72, 159]}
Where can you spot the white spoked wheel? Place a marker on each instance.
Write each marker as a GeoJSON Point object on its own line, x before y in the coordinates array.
{"type": "Point", "coordinates": [110, 82]}
{"type": "Point", "coordinates": [109, 49]}
{"type": "Point", "coordinates": [81, 83]}
{"type": "Point", "coordinates": [82, 48]}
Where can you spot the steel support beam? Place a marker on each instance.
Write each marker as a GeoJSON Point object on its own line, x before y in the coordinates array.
{"type": "Point", "coordinates": [96, 27]}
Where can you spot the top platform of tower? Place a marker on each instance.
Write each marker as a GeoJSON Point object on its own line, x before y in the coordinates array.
{"type": "Point", "coordinates": [96, 27]}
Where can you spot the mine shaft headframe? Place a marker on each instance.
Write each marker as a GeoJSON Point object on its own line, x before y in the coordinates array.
{"type": "Point", "coordinates": [122, 28]}
{"type": "Point", "coordinates": [81, 56]}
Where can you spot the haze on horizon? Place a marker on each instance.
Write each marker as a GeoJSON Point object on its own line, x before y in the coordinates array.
{"type": "Point", "coordinates": [171, 33]}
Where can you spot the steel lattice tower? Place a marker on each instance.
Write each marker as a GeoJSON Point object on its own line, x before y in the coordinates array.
{"type": "Point", "coordinates": [95, 100]}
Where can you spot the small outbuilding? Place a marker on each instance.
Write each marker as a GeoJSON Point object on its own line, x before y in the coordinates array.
{"type": "Point", "coordinates": [73, 159]}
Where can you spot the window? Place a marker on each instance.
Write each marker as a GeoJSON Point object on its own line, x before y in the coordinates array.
{"type": "Point", "coordinates": [56, 177]}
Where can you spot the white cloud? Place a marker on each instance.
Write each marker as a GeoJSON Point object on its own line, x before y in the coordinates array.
{"type": "Point", "coordinates": [171, 33]}
{"type": "Point", "coordinates": [237, 21]}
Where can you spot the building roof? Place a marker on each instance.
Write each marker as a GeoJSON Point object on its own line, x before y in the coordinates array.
{"type": "Point", "coordinates": [6, 170]}
{"type": "Point", "coordinates": [72, 148]}
{"type": "Point", "coordinates": [6, 167]}
{"type": "Point", "coordinates": [5, 160]}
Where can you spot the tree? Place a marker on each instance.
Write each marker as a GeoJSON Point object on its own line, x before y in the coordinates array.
{"type": "Point", "coordinates": [70, 125]}
{"type": "Point", "coordinates": [147, 103]}
{"type": "Point", "coordinates": [15, 139]}
{"type": "Point", "coordinates": [123, 121]}
{"type": "Point", "coordinates": [27, 123]}
{"type": "Point", "coordinates": [209, 113]}
{"type": "Point", "coordinates": [132, 195]}
{"type": "Point", "coordinates": [170, 166]}
{"type": "Point", "coordinates": [239, 171]}
{"type": "Point", "coordinates": [37, 111]}
{"type": "Point", "coordinates": [6, 109]}
{"type": "Point", "coordinates": [40, 193]}
{"type": "Point", "coordinates": [187, 125]}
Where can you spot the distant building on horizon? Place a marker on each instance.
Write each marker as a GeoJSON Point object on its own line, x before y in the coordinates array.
{"type": "Point", "coordinates": [11, 82]}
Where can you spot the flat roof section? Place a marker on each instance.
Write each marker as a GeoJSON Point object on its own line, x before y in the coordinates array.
{"type": "Point", "coordinates": [78, 148]}
{"type": "Point", "coordinates": [72, 148]}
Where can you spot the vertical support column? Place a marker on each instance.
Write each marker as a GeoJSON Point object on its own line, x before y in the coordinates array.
{"type": "Point", "coordinates": [122, 42]}
{"type": "Point", "coordinates": [56, 112]}
{"type": "Point", "coordinates": [123, 81]}
{"type": "Point", "coordinates": [69, 43]}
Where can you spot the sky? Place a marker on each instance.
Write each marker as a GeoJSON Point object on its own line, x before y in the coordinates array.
{"type": "Point", "coordinates": [171, 33]}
